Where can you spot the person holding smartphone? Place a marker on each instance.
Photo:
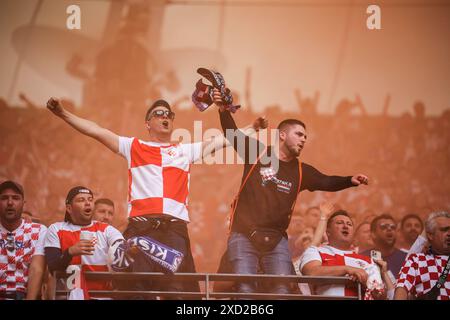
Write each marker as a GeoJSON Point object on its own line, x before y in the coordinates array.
{"type": "Point", "coordinates": [383, 230]}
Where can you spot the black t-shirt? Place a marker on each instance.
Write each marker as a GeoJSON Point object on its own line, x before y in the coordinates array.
{"type": "Point", "coordinates": [267, 197]}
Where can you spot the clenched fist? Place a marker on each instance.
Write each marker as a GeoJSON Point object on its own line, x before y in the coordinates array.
{"type": "Point", "coordinates": [360, 179]}
{"type": "Point", "coordinates": [260, 123]}
{"type": "Point", "coordinates": [54, 105]}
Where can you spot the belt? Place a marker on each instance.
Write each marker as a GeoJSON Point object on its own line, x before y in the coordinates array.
{"type": "Point", "coordinates": [158, 219]}
{"type": "Point", "coordinates": [155, 222]}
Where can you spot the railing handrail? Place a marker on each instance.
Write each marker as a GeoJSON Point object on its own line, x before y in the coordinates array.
{"type": "Point", "coordinates": [101, 275]}
{"type": "Point", "coordinates": [208, 277]}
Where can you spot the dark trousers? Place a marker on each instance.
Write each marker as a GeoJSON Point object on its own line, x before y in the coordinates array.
{"type": "Point", "coordinates": [12, 295]}
{"type": "Point", "coordinates": [172, 234]}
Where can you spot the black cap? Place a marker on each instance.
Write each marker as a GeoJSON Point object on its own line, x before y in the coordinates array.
{"type": "Point", "coordinates": [76, 190]}
{"type": "Point", "coordinates": [9, 184]}
{"type": "Point", "coordinates": [157, 103]}
{"type": "Point", "coordinates": [72, 193]}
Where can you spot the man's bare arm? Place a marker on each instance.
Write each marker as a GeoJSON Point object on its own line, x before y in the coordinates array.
{"type": "Point", "coordinates": [315, 268]}
{"type": "Point", "coordinates": [218, 142]}
{"type": "Point", "coordinates": [86, 127]}
{"type": "Point", "coordinates": [36, 274]}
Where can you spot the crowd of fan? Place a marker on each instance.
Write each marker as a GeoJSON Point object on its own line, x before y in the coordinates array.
{"type": "Point", "coordinates": [404, 155]}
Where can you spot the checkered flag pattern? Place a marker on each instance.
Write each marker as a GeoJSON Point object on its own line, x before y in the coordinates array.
{"type": "Point", "coordinates": [158, 176]}
{"type": "Point", "coordinates": [16, 250]}
{"type": "Point", "coordinates": [421, 272]}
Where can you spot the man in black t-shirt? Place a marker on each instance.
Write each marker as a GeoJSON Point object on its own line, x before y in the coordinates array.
{"type": "Point", "coordinates": [263, 208]}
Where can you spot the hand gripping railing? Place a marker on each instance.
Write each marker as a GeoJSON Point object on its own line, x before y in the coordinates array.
{"type": "Point", "coordinates": [208, 279]}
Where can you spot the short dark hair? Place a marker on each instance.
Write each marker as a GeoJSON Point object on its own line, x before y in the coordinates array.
{"type": "Point", "coordinates": [75, 191]}
{"type": "Point", "coordinates": [289, 122]}
{"type": "Point", "coordinates": [373, 224]}
{"type": "Point", "coordinates": [338, 213]}
{"type": "Point", "coordinates": [72, 194]}
{"type": "Point", "coordinates": [157, 103]}
{"type": "Point", "coordinates": [411, 216]}
{"type": "Point", "coordinates": [106, 201]}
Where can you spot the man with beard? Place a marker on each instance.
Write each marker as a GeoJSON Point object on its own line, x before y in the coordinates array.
{"type": "Point", "coordinates": [363, 240]}
{"type": "Point", "coordinates": [65, 246]}
{"type": "Point", "coordinates": [22, 261]}
{"type": "Point", "coordinates": [411, 227]}
{"type": "Point", "coordinates": [104, 210]}
{"type": "Point", "coordinates": [426, 275]}
{"type": "Point", "coordinates": [263, 207]}
{"type": "Point", "coordinates": [383, 232]}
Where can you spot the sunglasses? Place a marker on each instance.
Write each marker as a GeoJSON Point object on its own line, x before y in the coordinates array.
{"type": "Point", "coordinates": [10, 242]}
{"type": "Point", "coordinates": [386, 226]}
{"type": "Point", "coordinates": [162, 113]}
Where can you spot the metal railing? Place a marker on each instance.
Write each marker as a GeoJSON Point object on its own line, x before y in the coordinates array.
{"type": "Point", "coordinates": [208, 292]}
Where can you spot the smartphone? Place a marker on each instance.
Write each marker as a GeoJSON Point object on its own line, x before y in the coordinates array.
{"type": "Point", "coordinates": [376, 255]}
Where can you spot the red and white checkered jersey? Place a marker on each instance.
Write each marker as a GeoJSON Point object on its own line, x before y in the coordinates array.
{"type": "Point", "coordinates": [63, 235]}
{"type": "Point", "coordinates": [331, 256]}
{"type": "Point", "coordinates": [158, 176]}
{"type": "Point", "coordinates": [420, 273]}
{"type": "Point", "coordinates": [16, 250]}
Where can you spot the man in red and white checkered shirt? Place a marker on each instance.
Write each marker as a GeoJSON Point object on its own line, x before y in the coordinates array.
{"type": "Point", "coordinates": [22, 262]}
{"type": "Point", "coordinates": [421, 271]}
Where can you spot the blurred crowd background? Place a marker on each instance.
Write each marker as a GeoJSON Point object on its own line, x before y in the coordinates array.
{"type": "Point", "coordinates": [328, 50]}
{"type": "Point", "coordinates": [406, 157]}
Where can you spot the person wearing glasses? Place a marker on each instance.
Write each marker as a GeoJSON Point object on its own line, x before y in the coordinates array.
{"type": "Point", "coordinates": [22, 261]}
{"type": "Point", "coordinates": [383, 230]}
{"type": "Point", "coordinates": [158, 183]}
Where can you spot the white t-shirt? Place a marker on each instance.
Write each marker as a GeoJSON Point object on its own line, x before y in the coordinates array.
{"type": "Point", "coordinates": [331, 256]}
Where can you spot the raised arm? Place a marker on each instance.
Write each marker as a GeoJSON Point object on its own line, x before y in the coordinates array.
{"type": "Point", "coordinates": [219, 142]}
{"type": "Point", "coordinates": [326, 209]}
{"type": "Point", "coordinates": [419, 245]}
{"type": "Point", "coordinates": [237, 135]}
{"type": "Point", "coordinates": [241, 143]}
{"type": "Point", "coordinates": [86, 127]}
